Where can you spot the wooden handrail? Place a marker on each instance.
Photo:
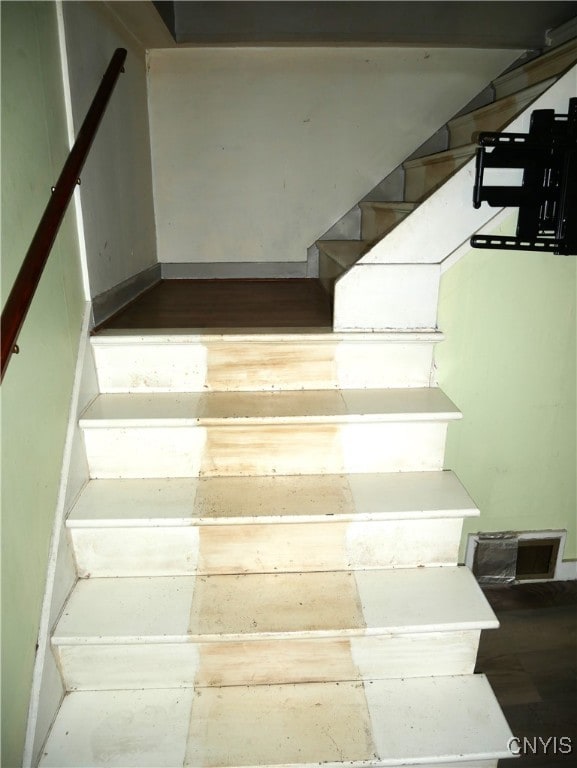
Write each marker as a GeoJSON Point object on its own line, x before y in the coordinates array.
{"type": "Point", "coordinates": [28, 277]}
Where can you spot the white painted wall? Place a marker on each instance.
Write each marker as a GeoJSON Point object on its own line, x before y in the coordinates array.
{"type": "Point", "coordinates": [116, 190]}
{"type": "Point", "coordinates": [257, 152]}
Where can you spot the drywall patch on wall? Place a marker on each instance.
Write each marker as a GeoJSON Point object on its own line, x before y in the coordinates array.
{"type": "Point", "coordinates": [508, 362]}
{"type": "Point", "coordinates": [116, 190]}
{"type": "Point", "coordinates": [37, 387]}
{"type": "Point", "coordinates": [258, 151]}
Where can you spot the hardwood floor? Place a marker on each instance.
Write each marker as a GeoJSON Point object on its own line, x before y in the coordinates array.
{"type": "Point", "coordinates": [294, 303]}
{"type": "Point", "coordinates": [531, 662]}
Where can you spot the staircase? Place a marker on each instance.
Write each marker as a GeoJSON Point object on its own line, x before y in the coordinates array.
{"type": "Point", "coordinates": [267, 547]}
{"type": "Point", "coordinates": [514, 92]}
{"type": "Point", "coordinates": [267, 561]}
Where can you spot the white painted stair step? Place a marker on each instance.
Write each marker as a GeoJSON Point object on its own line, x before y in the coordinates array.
{"type": "Point", "coordinates": [199, 362]}
{"type": "Point", "coordinates": [425, 174]}
{"type": "Point", "coordinates": [377, 218]}
{"type": "Point", "coordinates": [493, 116]}
{"type": "Point", "coordinates": [183, 526]}
{"type": "Point", "coordinates": [285, 432]}
{"type": "Point", "coordinates": [271, 499]}
{"type": "Point", "coordinates": [286, 407]}
{"type": "Point", "coordinates": [426, 721]}
{"type": "Point", "coordinates": [270, 628]}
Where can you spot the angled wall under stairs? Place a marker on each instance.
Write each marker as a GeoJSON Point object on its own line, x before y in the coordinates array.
{"type": "Point", "coordinates": [389, 278]}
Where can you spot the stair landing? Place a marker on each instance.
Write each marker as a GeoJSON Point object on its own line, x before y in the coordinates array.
{"type": "Point", "coordinates": [224, 303]}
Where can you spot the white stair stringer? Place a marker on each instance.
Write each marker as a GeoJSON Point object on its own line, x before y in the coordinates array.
{"type": "Point", "coordinates": [395, 284]}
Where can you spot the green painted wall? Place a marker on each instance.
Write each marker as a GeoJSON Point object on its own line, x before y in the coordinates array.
{"type": "Point", "coordinates": [508, 362]}
{"type": "Point", "coordinates": [37, 387]}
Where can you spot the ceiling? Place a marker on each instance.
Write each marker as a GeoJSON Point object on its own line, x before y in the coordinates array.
{"type": "Point", "coordinates": [499, 24]}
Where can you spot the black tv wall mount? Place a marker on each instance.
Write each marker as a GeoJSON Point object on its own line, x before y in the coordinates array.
{"type": "Point", "coordinates": [547, 197]}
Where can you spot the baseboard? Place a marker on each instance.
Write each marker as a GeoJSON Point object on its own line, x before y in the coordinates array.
{"type": "Point", "coordinates": [107, 303]}
{"type": "Point", "coordinates": [228, 270]}
{"type": "Point", "coordinates": [47, 689]}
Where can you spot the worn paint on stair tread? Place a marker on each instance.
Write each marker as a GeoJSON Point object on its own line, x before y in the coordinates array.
{"type": "Point", "coordinates": [374, 722]}
{"type": "Point", "coordinates": [184, 607]}
{"type": "Point", "coordinates": [276, 496]}
{"type": "Point", "coordinates": [280, 603]}
{"type": "Point", "coordinates": [216, 500]}
{"type": "Point", "coordinates": [266, 725]}
{"type": "Point", "coordinates": [161, 409]}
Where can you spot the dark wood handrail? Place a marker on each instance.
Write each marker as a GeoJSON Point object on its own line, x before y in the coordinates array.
{"type": "Point", "coordinates": [28, 277]}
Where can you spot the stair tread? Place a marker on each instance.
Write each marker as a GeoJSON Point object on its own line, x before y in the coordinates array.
{"type": "Point", "coordinates": [271, 499]}
{"type": "Point", "coordinates": [398, 205]}
{"type": "Point", "coordinates": [525, 95]}
{"type": "Point", "coordinates": [289, 406]}
{"type": "Point", "coordinates": [455, 153]}
{"type": "Point", "coordinates": [285, 605]}
{"type": "Point", "coordinates": [370, 723]}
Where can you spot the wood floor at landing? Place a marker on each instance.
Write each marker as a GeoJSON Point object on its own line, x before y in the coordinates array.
{"type": "Point", "coordinates": [287, 303]}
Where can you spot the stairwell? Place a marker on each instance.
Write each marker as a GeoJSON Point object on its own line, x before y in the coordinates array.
{"type": "Point", "coordinates": [267, 547]}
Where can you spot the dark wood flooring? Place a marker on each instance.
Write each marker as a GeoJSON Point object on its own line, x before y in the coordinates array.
{"type": "Point", "coordinates": [531, 662]}
{"type": "Point", "coordinates": [294, 303]}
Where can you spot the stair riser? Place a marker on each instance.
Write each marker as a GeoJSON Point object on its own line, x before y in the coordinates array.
{"type": "Point", "coordinates": [329, 272]}
{"type": "Point", "coordinates": [262, 662]}
{"type": "Point", "coordinates": [177, 551]}
{"type": "Point", "coordinates": [423, 178]}
{"type": "Point", "coordinates": [286, 449]}
{"type": "Point", "coordinates": [195, 367]}
{"type": "Point", "coordinates": [492, 117]}
{"type": "Point", "coordinates": [377, 222]}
